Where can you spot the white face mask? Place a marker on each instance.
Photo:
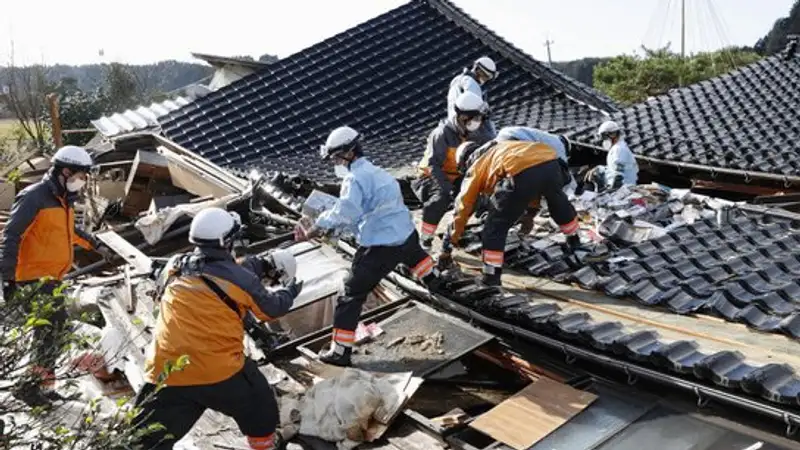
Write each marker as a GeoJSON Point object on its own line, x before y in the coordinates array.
{"type": "Point", "coordinates": [75, 185]}
{"type": "Point", "coordinates": [607, 144]}
{"type": "Point", "coordinates": [340, 171]}
{"type": "Point", "coordinates": [473, 125]}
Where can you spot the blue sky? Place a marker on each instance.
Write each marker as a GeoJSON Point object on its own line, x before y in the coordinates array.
{"type": "Point", "coordinates": [73, 32]}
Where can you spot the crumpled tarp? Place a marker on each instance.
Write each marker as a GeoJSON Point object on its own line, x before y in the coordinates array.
{"type": "Point", "coordinates": [341, 408]}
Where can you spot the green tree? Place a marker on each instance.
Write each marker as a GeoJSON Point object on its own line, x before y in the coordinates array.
{"type": "Point", "coordinates": [775, 40]}
{"type": "Point", "coordinates": [630, 79]}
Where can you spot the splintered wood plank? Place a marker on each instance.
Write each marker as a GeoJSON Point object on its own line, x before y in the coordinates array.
{"type": "Point", "coordinates": [141, 262]}
{"type": "Point", "coordinates": [532, 413]}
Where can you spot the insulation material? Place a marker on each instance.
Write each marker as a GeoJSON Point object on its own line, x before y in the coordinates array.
{"type": "Point", "coordinates": [344, 408]}
{"type": "Point", "coordinates": [153, 226]}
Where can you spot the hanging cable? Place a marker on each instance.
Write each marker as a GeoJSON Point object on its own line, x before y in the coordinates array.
{"type": "Point", "coordinates": [725, 43]}
{"type": "Point", "coordinates": [655, 26]}
{"type": "Point", "coordinates": [664, 24]}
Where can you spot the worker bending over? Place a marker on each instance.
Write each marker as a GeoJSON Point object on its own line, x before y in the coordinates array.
{"type": "Point", "coordinates": [516, 175]}
{"type": "Point", "coordinates": [38, 243]}
{"type": "Point", "coordinates": [204, 297]}
{"type": "Point", "coordinates": [621, 167]}
{"type": "Point", "coordinates": [370, 205]}
{"type": "Point", "coordinates": [473, 80]}
{"type": "Point", "coordinates": [439, 173]}
{"type": "Point", "coordinates": [559, 143]}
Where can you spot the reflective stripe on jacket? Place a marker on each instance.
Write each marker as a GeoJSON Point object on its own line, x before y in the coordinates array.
{"type": "Point", "coordinates": [196, 322]}
{"type": "Point", "coordinates": [39, 238]}
{"type": "Point", "coordinates": [504, 159]}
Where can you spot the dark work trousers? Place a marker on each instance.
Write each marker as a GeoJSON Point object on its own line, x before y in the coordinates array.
{"type": "Point", "coordinates": [48, 339]}
{"type": "Point", "coordinates": [246, 397]}
{"type": "Point", "coordinates": [435, 202]}
{"type": "Point", "coordinates": [370, 266]}
{"type": "Point", "coordinates": [512, 197]}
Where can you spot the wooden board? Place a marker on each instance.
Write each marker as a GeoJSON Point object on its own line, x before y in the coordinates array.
{"type": "Point", "coordinates": [534, 412]}
{"type": "Point", "coordinates": [140, 262]}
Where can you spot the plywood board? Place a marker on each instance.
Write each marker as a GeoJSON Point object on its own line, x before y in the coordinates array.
{"type": "Point", "coordinates": [140, 262]}
{"type": "Point", "coordinates": [534, 412]}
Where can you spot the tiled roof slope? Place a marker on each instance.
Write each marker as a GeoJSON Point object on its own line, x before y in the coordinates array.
{"type": "Point", "coordinates": [746, 271]}
{"type": "Point", "coordinates": [774, 382]}
{"type": "Point", "coordinates": [747, 120]}
{"type": "Point", "coordinates": [388, 78]}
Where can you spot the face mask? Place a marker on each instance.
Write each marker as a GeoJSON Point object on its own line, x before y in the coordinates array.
{"type": "Point", "coordinates": [607, 144]}
{"type": "Point", "coordinates": [75, 185]}
{"type": "Point", "coordinates": [473, 125]}
{"type": "Point", "coordinates": [340, 171]}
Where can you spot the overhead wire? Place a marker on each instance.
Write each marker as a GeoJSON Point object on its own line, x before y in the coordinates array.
{"type": "Point", "coordinates": [725, 46]}
{"type": "Point", "coordinates": [665, 24]}
{"type": "Point", "coordinates": [656, 19]}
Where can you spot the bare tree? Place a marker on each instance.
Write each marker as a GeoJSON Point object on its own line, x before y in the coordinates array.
{"type": "Point", "coordinates": [27, 100]}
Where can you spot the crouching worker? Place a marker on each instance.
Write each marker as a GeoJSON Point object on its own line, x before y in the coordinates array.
{"type": "Point", "coordinates": [203, 299]}
{"type": "Point", "coordinates": [370, 205]}
{"type": "Point", "coordinates": [516, 175]}
{"type": "Point", "coordinates": [438, 169]}
{"type": "Point", "coordinates": [38, 242]}
{"type": "Point", "coordinates": [621, 167]}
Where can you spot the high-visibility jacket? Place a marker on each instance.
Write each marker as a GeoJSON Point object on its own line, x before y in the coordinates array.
{"type": "Point", "coordinates": [501, 160]}
{"type": "Point", "coordinates": [439, 160]}
{"type": "Point", "coordinates": [39, 238]}
{"type": "Point", "coordinates": [194, 321]}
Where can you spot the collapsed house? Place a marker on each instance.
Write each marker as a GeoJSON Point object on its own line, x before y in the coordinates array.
{"type": "Point", "coordinates": [685, 337]}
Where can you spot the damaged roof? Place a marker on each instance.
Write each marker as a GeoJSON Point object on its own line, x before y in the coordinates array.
{"type": "Point", "coordinates": [388, 78]}
{"type": "Point", "coordinates": [545, 320]}
{"type": "Point", "coordinates": [747, 120]}
{"type": "Point", "coordinates": [143, 118]}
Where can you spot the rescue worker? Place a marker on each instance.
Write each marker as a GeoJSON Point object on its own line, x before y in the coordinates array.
{"type": "Point", "coordinates": [371, 205]}
{"type": "Point", "coordinates": [562, 146]}
{"type": "Point", "coordinates": [439, 174]}
{"type": "Point", "coordinates": [473, 80]}
{"type": "Point", "coordinates": [621, 166]}
{"type": "Point", "coordinates": [204, 297]}
{"type": "Point", "coordinates": [37, 244]}
{"type": "Point", "coordinates": [516, 175]}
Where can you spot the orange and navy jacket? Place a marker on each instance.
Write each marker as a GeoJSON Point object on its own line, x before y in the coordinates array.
{"type": "Point", "coordinates": [499, 160]}
{"type": "Point", "coordinates": [39, 238]}
{"type": "Point", "coordinates": [439, 159]}
{"type": "Point", "coordinates": [194, 321]}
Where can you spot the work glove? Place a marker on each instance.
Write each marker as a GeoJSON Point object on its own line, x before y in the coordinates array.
{"type": "Point", "coordinates": [573, 242]}
{"type": "Point", "coordinates": [302, 234]}
{"type": "Point", "coordinates": [8, 289]}
{"type": "Point", "coordinates": [294, 287]}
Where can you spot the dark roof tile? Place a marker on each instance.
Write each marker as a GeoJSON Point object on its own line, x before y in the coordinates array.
{"type": "Point", "coordinates": [747, 120]}
{"type": "Point", "coordinates": [388, 78]}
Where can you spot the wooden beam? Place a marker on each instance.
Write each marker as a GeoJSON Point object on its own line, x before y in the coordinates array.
{"type": "Point", "coordinates": [132, 255]}
{"type": "Point", "coordinates": [55, 118]}
{"type": "Point", "coordinates": [739, 187]}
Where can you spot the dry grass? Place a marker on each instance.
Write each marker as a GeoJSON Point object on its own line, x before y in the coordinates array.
{"type": "Point", "coordinates": [7, 127]}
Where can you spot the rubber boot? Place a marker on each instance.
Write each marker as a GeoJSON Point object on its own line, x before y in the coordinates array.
{"type": "Point", "coordinates": [492, 279]}
{"type": "Point", "coordinates": [337, 355]}
{"type": "Point", "coordinates": [426, 242]}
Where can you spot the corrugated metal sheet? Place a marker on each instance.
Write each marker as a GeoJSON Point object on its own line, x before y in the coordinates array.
{"type": "Point", "coordinates": [140, 119]}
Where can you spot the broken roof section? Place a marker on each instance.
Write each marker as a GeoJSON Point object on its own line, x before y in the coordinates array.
{"type": "Point", "coordinates": [747, 121]}
{"type": "Point", "coordinates": [143, 118]}
{"type": "Point", "coordinates": [388, 78]}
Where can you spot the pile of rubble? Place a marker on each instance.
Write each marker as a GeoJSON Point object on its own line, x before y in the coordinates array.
{"type": "Point", "coordinates": [609, 221]}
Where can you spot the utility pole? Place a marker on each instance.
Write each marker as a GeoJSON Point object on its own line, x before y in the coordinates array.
{"type": "Point", "coordinates": [548, 43]}
{"type": "Point", "coordinates": [683, 42]}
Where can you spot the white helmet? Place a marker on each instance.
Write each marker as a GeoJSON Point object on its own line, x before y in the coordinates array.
{"type": "Point", "coordinates": [469, 103]}
{"type": "Point", "coordinates": [340, 140]}
{"type": "Point", "coordinates": [608, 127]}
{"type": "Point", "coordinates": [72, 157]}
{"type": "Point", "coordinates": [487, 65]}
{"type": "Point", "coordinates": [285, 265]}
{"type": "Point", "coordinates": [214, 226]}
